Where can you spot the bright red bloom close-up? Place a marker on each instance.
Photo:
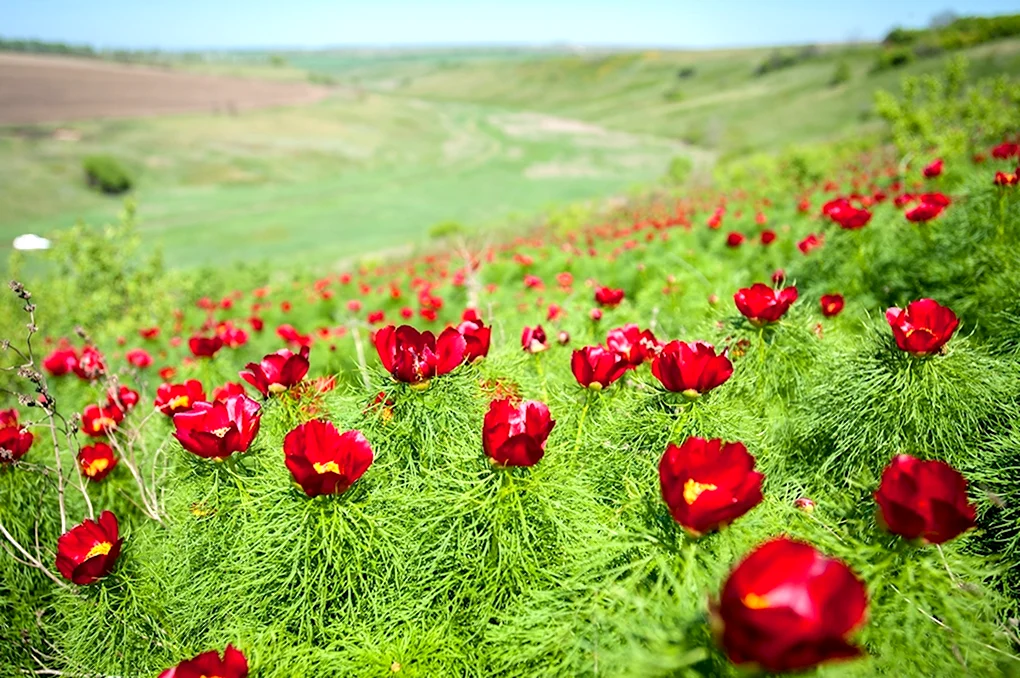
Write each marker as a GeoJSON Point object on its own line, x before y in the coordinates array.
{"type": "Point", "coordinates": [846, 215]}
{"type": "Point", "coordinates": [832, 305]}
{"type": "Point", "coordinates": [323, 460]}
{"type": "Point", "coordinates": [61, 361]}
{"type": "Point", "coordinates": [277, 372]}
{"type": "Point", "coordinates": [533, 339]}
{"type": "Point", "coordinates": [96, 461]}
{"type": "Point", "coordinates": [174, 398]}
{"type": "Point", "coordinates": [99, 421]}
{"type": "Point", "coordinates": [597, 367]}
{"type": "Point", "coordinates": [708, 483]}
{"type": "Point", "coordinates": [761, 304]}
{"type": "Point", "coordinates": [209, 665]}
{"type": "Point", "coordinates": [138, 357]}
{"type": "Point", "coordinates": [692, 368]}
{"type": "Point", "coordinates": [15, 442]}
{"type": "Point", "coordinates": [91, 365]}
{"type": "Point", "coordinates": [205, 347]}
{"type": "Point", "coordinates": [608, 297]}
{"type": "Point", "coordinates": [637, 346]}
{"type": "Point", "coordinates": [932, 205]}
{"type": "Point", "coordinates": [515, 434]}
{"type": "Point", "coordinates": [933, 169]}
{"type": "Point", "coordinates": [415, 357]}
{"type": "Point", "coordinates": [87, 552]}
{"type": "Point", "coordinates": [123, 397]}
{"type": "Point", "coordinates": [734, 239]}
{"type": "Point", "coordinates": [788, 607]}
{"type": "Point", "coordinates": [476, 338]}
{"type": "Point", "coordinates": [923, 328]}
{"type": "Point", "coordinates": [924, 500]}
{"type": "Point", "coordinates": [218, 430]}
{"type": "Point", "coordinates": [231, 388]}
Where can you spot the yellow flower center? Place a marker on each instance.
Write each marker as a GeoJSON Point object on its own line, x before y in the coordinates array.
{"type": "Point", "coordinates": [220, 432]}
{"type": "Point", "coordinates": [693, 490]}
{"type": "Point", "coordinates": [96, 467]}
{"type": "Point", "coordinates": [101, 423]}
{"type": "Point", "coordinates": [277, 388]}
{"type": "Point", "coordinates": [328, 467]}
{"type": "Point", "coordinates": [100, 549]}
{"type": "Point", "coordinates": [753, 601]}
{"type": "Point", "coordinates": [179, 402]}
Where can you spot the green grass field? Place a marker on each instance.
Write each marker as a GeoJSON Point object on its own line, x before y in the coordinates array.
{"type": "Point", "coordinates": [414, 138]}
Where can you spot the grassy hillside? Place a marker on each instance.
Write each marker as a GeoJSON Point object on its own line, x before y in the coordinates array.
{"type": "Point", "coordinates": [352, 174]}
{"type": "Point", "coordinates": [414, 138]}
{"type": "Point", "coordinates": [709, 98]}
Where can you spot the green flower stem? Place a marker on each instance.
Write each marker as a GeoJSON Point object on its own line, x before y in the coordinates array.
{"type": "Point", "coordinates": [580, 423]}
{"type": "Point", "coordinates": [541, 375]}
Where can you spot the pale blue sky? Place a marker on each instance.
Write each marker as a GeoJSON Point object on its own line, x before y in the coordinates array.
{"type": "Point", "coordinates": [191, 24]}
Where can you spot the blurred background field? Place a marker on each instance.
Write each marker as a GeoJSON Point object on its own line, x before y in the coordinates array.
{"type": "Point", "coordinates": [403, 140]}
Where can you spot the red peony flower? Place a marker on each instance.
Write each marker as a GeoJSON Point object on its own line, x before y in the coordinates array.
{"type": "Point", "coordinates": [633, 344]}
{"type": "Point", "coordinates": [221, 393]}
{"type": "Point", "coordinates": [209, 665]}
{"type": "Point", "coordinates": [608, 297]}
{"type": "Point", "coordinates": [761, 304]}
{"type": "Point", "coordinates": [91, 364]}
{"type": "Point", "coordinates": [923, 328]}
{"type": "Point", "coordinates": [139, 358]}
{"type": "Point", "coordinates": [476, 338]}
{"type": "Point", "coordinates": [597, 367]}
{"type": "Point", "coordinates": [1005, 179]}
{"type": "Point", "coordinates": [123, 397]}
{"type": "Point", "coordinates": [9, 418]}
{"type": "Point", "coordinates": [148, 332]}
{"type": "Point", "coordinates": [846, 215]}
{"type": "Point", "coordinates": [101, 421]}
{"type": "Point", "coordinates": [832, 305]}
{"type": "Point", "coordinates": [734, 239]}
{"type": "Point", "coordinates": [924, 500]}
{"type": "Point", "coordinates": [691, 368]}
{"type": "Point", "coordinates": [218, 430]}
{"type": "Point", "coordinates": [86, 553]}
{"type": "Point", "coordinates": [1005, 150]}
{"type": "Point", "coordinates": [61, 361]}
{"type": "Point", "coordinates": [932, 205]}
{"type": "Point", "coordinates": [533, 339]}
{"type": "Point", "coordinates": [933, 169]}
{"type": "Point", "coordinates": [174, 398]}
{"type": "Point", "coordinates": [205, 347]}
{"type": "Point", "coordinates": [96, 461]}
{"type": "Point", "coordinates": [708, 483]}
{"type": "Point", "coordinates": [15, 441]}
{"type": "Point", "coordinates": [324, 461]}
{"type": "Point", "coordinates": [787, 607]}
{"type": "Point", "coordinates": [810, 242]}
{"type": "Point", "coordinates": [277, 372]}
{"type": "Point", "coordinates": [415, 357]}
{"type": "Point", "coordinates": [167, 373]}
{"type": "Point", "coordinates": [768, 237]}
{"type": "Point", "coordinates": [515, 435]}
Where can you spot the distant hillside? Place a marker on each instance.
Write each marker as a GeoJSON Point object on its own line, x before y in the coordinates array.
{"type": "Point", "coordinates": [728, 100]}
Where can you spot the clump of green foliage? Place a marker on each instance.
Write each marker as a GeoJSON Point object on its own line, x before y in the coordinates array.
{"type": "Point", "coordinates": [105, 173]}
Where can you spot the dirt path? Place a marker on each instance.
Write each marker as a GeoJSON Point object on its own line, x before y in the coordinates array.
{"type": "Point", "coordinates": [36, 89]}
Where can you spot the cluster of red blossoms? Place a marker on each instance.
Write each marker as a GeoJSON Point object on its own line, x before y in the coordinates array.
{"type": "Point", "coordinates": [788, 607]}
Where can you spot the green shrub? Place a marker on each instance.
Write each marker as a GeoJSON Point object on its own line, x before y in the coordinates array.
{"type": "Point", "coordinates": [106, 174]}
{"type": "Point", "coordinates": [841, 74]}
{"type": "Point", "coordinates": [679, 169]}
{"type": "Point", "coordinates": [446, 229]}
{"type": "Point", "coordinates": [895, 57]}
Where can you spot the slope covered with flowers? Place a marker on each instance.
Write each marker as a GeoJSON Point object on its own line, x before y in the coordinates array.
{"type": "Point", "coordinates": [770, 424]}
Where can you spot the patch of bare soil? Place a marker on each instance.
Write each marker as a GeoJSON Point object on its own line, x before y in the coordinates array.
{"type": "Point", "coordinates": [36, 89]}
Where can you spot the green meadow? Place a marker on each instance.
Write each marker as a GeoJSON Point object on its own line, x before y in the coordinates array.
{"type": "Point", "coordinates": [484, 138]}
